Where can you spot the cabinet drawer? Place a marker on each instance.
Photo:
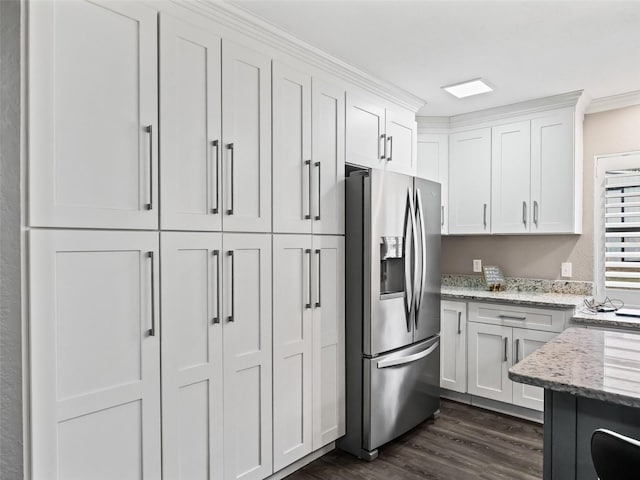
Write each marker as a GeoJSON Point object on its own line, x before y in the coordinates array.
{"type": "Point", "coordinates": [514, 316]}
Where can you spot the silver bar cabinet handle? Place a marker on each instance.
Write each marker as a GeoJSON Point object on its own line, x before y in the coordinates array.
{"type": "Point", "coordinates": [307, 216]}
{"type": "Point", "coordinates": [233, 293]}
{"type": "Point", "coordinates": [384, 147]}
{"type": "Point", "coordinates": [230, 210]}
{"type": "Point", "coordinates": [459, 322]}
{"type": "Point", "coordinates": [308, 304]}
{"type": "Point", "coordinates": [484, 216]}
{"type": "Point", "coordinates": [319, 253]}
{"type": "Point", "coordinates": [442, 215]}
{"type": "Point", "coordinates": [390, 142]}
{"type": "Point", "coordinates": [535, 212]}
{"type": "Point", "coordinates": [515, 360]}
{"type": "Point", "coordinates": [216, 319]}
{"type": "Point", "coordinates": [524, 213]}
{"type": "Point", "coordinates": [505, 348]}
{"type": "Point", "coordinates": [152, 331]}
{"type": "Point", "coordinates": [149, 130]}
{"type": "Point", "coordinates": [216, 145]}
{"type": "Point", "coordinates": [511, 317]}
{"type": "Point", "coordinates": [317, 164]}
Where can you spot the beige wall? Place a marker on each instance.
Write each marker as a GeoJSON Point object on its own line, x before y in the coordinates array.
{"type": "Point", "coordinates": [614, 131]}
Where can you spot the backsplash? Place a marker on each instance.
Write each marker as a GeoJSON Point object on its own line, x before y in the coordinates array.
{"type": "Point", "coordinates": [520, 284]}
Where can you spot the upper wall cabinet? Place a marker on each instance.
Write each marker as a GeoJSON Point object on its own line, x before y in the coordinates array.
{"type": "Point", "coordinates": [380, 138]}
{"type": "Point", "coordinates": [246, 145]}
{"type": "Point", "coordinates": [470, 181]}
{"type": "Point", "coordinates": [190, 95]}
{"type": "Point", "coordinates": [308, 153]}
{"type": "Point", "coordinates": [433, 164]}
{"type": "Point", "coordinates": [92, 115]}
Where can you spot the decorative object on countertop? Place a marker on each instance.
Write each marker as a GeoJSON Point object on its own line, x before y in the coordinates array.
{"type": "Point", "coordinates": [494, 278]}
{"type": "Point", "coordinates": [570, 287]}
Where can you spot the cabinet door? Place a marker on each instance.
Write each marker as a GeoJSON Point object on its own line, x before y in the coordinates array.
{"type": "Point", "coordinates": [328, 340]}
{"type": "Point", "coordinates": [525, 342]}
{"type": "Point", "coordinates": [247, 356]}
{"type": "Point", "coordinates": [292, 349]}
{"type": "Point", "coordinates": [433, 164]}
{"type": "Point", "coordinates": [246, 152]}
{"type": "Point", "coordinates": [470, 181]}
{"type": "Point", "coordinates": [328, 158]}
{"type": "Point", "coordinates": [291, 150]}
{"type": "Point", "coordinates": [191, 127]}
{"type": "Point", "coordinates": [401, 142]}
{"type": "Point", "coordinates": [553, 174]}
{"type": "Point", "coordinates": [489, 352]}
{"type": "Point", "coordinates": [191, 355]}
{"type": "Point", "coordinates": [453, 346]}
{"type": "Point", "coordinates": [365, 132]}
{"type": "Point", "coordinates": [92, 131]}
{"type": "Point", "coordinates": [511, 178]}
{"type": "Point", "coordinates": [95, 354]}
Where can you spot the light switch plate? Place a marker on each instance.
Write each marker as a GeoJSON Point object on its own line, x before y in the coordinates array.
{"type": "Point", "coordinates": [477, 265]}
{"type": "Point", "coordinates": [565, 269]}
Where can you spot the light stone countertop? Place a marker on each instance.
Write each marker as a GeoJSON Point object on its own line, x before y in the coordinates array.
{"type": "Point", "coordinates": [598, 364]}
{"type": "Point", "coordinates": [536, 299]}
{"type": "Point", "coordinates": [605, 320]}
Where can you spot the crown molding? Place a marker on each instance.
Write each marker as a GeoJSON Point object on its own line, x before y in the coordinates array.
{"type": "Point", "coordinates": [529, 107]}
{"type": "Point", "coordinates": [613, 102]}
{"type": "Point", "coordinates": [253, 27]}
{"type": "Point", "coordinates": [433, 122]}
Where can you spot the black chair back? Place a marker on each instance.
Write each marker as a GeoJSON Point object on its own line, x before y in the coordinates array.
{"type": "Point", "coordinates": [614, 456]}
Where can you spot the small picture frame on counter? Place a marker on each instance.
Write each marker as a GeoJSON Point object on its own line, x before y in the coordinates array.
{"type": "Point", "coordinates": [494, 278]}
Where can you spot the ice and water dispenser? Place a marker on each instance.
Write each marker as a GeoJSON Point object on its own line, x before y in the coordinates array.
{"type": "Point", "coordinates": [391, 267]}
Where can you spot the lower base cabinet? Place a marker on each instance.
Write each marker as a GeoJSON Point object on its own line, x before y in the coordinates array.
{"type": "Point", "coordinates": [308, 345]}
{"type": "Point", "coordinates": [216, 356]}
{"type": "Point", "coordinates": [453, 346]}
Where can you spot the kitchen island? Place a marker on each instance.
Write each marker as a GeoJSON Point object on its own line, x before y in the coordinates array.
{"type": "Point", "coordinates": [591, 380]}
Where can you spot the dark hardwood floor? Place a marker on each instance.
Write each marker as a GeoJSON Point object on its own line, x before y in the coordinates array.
{"type": "Point", "coordinates": [463, 443]}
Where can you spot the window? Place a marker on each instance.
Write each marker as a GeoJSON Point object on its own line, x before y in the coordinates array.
{"type": "Point", "coordinates": [617, 227]}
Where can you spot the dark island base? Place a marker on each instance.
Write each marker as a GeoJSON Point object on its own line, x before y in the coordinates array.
{"type": "Point", "coordinates": [569, 421]}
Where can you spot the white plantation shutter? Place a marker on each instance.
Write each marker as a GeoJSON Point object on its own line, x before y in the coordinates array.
{"type": "Point", "coordinates": [622, 228]}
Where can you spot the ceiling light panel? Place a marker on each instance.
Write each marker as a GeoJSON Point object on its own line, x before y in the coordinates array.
{"type": "Point", "coordinates": [468, 88]}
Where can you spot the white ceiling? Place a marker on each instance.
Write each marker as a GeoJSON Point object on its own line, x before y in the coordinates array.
{"type": "Point", "coordinates": [525, 49]}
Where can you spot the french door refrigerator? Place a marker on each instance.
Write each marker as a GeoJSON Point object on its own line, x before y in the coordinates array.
{"type": "Point", "coordinates": [392, 307]}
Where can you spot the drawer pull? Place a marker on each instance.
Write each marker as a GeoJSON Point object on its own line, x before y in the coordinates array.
{"type": "Point", "coordinates": [511, 317]}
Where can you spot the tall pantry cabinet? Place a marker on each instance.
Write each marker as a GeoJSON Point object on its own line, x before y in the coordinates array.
{"type": "Point", "coordinates": [153, 349]}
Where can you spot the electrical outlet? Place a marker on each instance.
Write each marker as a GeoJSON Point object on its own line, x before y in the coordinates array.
{"type": "Point", "coordinates": [565, 269]}
{"type": "Point", "coordinates": [477, 265]}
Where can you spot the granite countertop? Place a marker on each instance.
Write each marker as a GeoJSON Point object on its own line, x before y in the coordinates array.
{"type": "Point", "coordinates": [532, 298]}
{"type": "Point", "coordinates": [605, 320]}
{"type": "Point", "coordinates": [599, 364]}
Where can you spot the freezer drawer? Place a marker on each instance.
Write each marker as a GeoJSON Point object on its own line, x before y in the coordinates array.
{"type": "Point", "coordinates": [401, 390]}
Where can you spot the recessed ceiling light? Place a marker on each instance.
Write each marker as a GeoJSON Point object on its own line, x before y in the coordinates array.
{"type": "Point", "coordinates": [468, 88]}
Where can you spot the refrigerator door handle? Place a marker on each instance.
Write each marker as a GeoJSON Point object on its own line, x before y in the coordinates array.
{"type": "Point", "coordinates": [409, 270]}
{"type": "Point", "coordinates": [423, 257]}
{"type": "Point", "coordinates": [394, 362]}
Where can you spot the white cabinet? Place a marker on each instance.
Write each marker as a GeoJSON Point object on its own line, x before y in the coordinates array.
{"type": "Point", "coordinates": [247, 357]}
{"type": "Point", "coordinates": [510, 178]}
{"type": "Point", "coordinates": [470, 181]}
{"type": "Point", "coordinates": [380, 138]}
{"type": "Point", "coordinates": [216, 290]}
{"type": "Point", "coordinates": [489, 354]}
{"type": "Point", "coordinates": [556, 174]}
{"type": "Point", "coordinates": [433, 164]}
{"type": "Point", "coordinates": [192, 339]}
{"type": "Point", "coordinates": [190, 95]}
{"type": "Point", "coordinates": [453, 346]}
{"type": "Point", "coordinates": [92, 131]}
{"type": "Point", "coordinates": [308, 156]}
{"type": "Point", "coordinates": [246, 145]}
{"type": "Point", "coordinates": [308, 339]}
{"type": "Point", "coordinates": [525, 342]}
{"type": "Point", "coordinates": [95, 354]}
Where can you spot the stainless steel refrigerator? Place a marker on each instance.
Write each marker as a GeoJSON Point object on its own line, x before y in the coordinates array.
{"type": "Point", "coordinates": [392, 307]}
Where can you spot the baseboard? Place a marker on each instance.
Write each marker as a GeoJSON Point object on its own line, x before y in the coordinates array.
{"type": "Point", "coordinates": [487, 404]}
{"type": "Point", "coordinates": [289, 469]}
